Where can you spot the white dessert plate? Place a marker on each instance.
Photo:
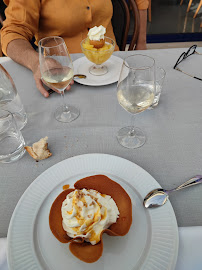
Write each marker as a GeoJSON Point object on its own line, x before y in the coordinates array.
{"type": "Point", "coordinates": [82, 65]}
{"type": "Point", "coordinates": [151, 243]}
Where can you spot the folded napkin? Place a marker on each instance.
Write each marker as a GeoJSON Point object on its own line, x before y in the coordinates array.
{"type": "Point", "coordinates": [3, 259]}
{"type": "Point", "coordinates": [190, 246]}
{"type": "Point", "coordinates": [189, 256]}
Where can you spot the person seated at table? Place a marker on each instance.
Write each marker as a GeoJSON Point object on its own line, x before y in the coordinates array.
{"type": "Point", "coordinates": [70, 20]}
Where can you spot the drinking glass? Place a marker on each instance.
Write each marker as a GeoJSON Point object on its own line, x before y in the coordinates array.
{"type": "Point", "coordinates": [135, 93]}
{"type": "Point", "coordinates": [11, 140]}
{"type": "Point", "coordinates": [160, 76]}
{"type": "Point", "coordinates": [10, 99]}
{"type": "Point", "coordinates": [57, 73]}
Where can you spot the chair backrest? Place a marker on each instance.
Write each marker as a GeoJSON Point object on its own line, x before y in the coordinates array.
{"type": "Point", "coordinates": [1, 24]}
{"type": "Point", "coordinates": [2, 18]}
{"type": "Point", "coordinates": [122, 12]}
{"type": "Point", "coordinates": [2, 11]}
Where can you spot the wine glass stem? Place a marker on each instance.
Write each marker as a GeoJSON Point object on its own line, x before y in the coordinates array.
{"type": "Point", "coordinates": [132, 131]}
{"type": "Point", "coordinates": [66, 109]}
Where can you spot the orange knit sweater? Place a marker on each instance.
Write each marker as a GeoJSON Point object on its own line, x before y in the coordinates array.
{"type": "Point", "coordinates": [70, 19]}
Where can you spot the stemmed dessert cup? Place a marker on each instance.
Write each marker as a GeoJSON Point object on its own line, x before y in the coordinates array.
{"type": "Point", "coordinates": [135, 93]}
{"type": "Point", "coordinates": [57, 73]}
{"type": "Point", "coordinates": [98, 56]}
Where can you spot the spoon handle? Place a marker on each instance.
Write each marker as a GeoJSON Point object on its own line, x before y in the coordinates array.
{"type": "Point", "coordinates": [191, 182]}
{"type": "Point", "coordinates": [80, 76]}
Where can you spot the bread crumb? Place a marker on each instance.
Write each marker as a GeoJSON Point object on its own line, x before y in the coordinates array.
{"type": "Point", "coordinates": [39, 150]}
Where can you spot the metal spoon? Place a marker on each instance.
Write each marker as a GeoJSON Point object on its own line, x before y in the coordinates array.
{"type": "Point", "coordinates": [80, 76]}
{"type": "Point", "coordinates": [159, 197]}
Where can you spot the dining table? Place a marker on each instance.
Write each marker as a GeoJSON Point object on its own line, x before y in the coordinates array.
{"type": "Point", "coordinates": [172, 153]}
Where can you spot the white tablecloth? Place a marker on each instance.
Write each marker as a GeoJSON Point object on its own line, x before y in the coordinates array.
{"type": "Point", "coordinates": [172, 153]}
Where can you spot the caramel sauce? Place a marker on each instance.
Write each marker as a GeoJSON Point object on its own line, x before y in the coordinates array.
{"type": "Point", "coordinates": [81, 249]}
{"type": "Point", "coordinates": [65, 187]}
{"type": "Point", "coordinates": [55, 218]}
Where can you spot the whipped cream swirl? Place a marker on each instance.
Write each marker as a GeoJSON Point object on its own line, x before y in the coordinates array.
{"type": "Point", "coordinates": [97, 33]}
{"type": "Point", "coordinates": [86, 213]}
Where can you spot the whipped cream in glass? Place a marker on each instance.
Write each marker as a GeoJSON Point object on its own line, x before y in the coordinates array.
{"type": "Point", "coordinates": [86, 213]}
{"type": "Point", "coordinates": [97, 33]}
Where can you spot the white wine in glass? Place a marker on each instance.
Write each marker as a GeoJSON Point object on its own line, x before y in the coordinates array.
{"type": "Point", "coordinates": [58, 77]}
{"type": "Point", "coordinates": [57, 73]}
{"type": "Point", "coordinates": [135, 93]}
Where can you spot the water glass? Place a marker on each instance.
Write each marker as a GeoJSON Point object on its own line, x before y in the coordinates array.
{"type": "Point", "coordinates": [11, 141]}
{"type": "Point", "coordinates": [10, 99]}
{"type": "Point", "coordinates": [160, 76]}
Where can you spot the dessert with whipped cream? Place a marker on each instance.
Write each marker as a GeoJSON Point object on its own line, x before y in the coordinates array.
{"type": "Point", "coordinates": [86, 213]}
{"type": "Point", "coordinates": [96, 47]}
{"type": "Point", "coordinates": [81, 215]}
{"type": "Point", "coordinates": [96, 36]}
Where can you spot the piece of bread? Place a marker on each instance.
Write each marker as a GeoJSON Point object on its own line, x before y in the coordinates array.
{"type": "Point", "coordinates": [97, 43]}
{"type": "Point", "coordinates": [39, 150]}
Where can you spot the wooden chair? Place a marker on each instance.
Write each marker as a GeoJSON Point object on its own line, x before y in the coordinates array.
{"type": "Point", "coordinates": [1, 24]}
{"type": "Point", "coordinates": [2, 18]}
{"type": "Point", "coordinates": [149, 11]}
{"type": "Point", "coordinates": [189, 5]}
{"type": "Point", "coordinates": [198, 8]}
{"type": "Point", "coordinates": [121, 22]}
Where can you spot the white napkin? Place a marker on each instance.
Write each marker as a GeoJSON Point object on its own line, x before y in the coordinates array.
{"type": "Point", "coordinates": [3, 259]}
{"type": "Point", "coordinates": [189, 256]}
{"type": "Point", "coordinates": [190, 247]}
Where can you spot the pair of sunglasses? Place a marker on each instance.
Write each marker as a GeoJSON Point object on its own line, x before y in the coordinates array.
{"type": "Point", "coordinates": [183, 56]}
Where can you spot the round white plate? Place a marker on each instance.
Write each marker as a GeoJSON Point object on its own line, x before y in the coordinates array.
{"type": "Point", "coordinates": [82, 65]}
{"type": "Point", "coordinates": [152, 242]}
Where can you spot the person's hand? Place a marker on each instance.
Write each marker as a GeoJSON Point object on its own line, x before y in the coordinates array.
{"type": "Point", "coordinates": [39, 82]}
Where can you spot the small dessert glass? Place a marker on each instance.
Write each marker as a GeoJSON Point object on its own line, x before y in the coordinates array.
{"type": "Point", "coordinates": [98, 56]}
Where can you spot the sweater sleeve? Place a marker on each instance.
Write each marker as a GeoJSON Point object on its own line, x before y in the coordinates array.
{"type": "Point", "coordinates": [22, 19]}
{"type": "Point", "coordinates": [142, 4]}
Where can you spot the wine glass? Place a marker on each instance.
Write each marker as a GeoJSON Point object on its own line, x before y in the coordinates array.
{"type": "Point", "coordinates": [98, 56]}
{"type": "Point", "coordinates": [135, 93]}
{"type": "Point", "coordinates": [57, 72]}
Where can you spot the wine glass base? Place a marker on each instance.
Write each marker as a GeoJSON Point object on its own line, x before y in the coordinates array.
{"type": "Point", "coordinates": [98, 70]}
{"type": "Point", "coordinates": [66, 114]}
{"type": "Point", "coordinates": [129, 139]}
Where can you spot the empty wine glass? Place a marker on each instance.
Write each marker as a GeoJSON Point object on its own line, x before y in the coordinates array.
{"type": "Point", "coordinates": [135, 93]}
{"type": "Point", "coordinates": [57, 72]}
